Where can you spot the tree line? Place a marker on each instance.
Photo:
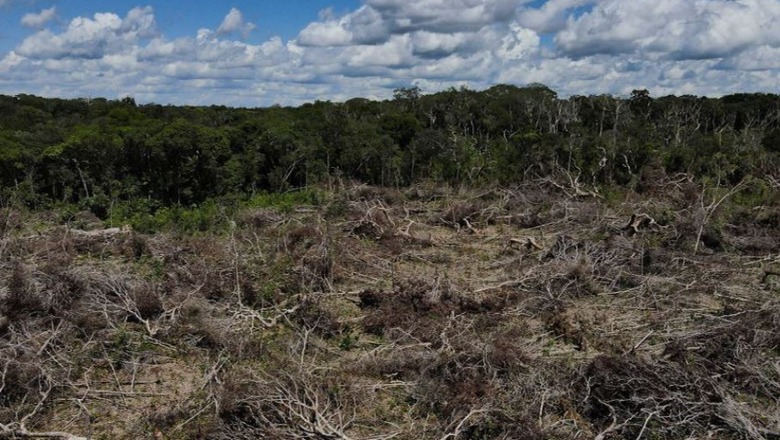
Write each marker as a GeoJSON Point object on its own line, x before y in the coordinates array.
{"type": "Point", "coordinates": [96, 152]}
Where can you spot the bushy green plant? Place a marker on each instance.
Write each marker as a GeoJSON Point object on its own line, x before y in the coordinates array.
{"type": "Point", "coordinates": [146, 217]}
{"type": "Point", "coordinates": [286, 201]}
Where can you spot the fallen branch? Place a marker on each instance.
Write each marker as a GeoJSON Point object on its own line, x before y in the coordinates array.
{"type": "Point", "coordinates": [710, 209]}
{"type": "Point", "coordinates": [642, 341]}
{"type": "Point", "coordinates": [641, 221]}
{"type": "Point", "coordinates": [614, 426]}
{"type": "Point", "coordinates": [459, 428]}
{"type": "Point", "coordinates": [470, 228]}
{"type": "Point", "coordinates": [108, 232]}
{"type": "Point", "coordinates": [529, 243]}
{"type": "Point", "coordinates": [768, 273]}
{"type": "Point", "coordinates": [43, 434]}
{"type": "Point", "coordinates": [510, 283]}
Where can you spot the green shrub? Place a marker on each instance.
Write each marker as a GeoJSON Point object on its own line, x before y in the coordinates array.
{"type": "Point", "coordinates": [147, 217]}
{"type": "Point", "coordinates": [286, 201]}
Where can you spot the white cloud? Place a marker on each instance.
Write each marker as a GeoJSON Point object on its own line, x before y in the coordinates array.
{"type": "Point", "coordinates": [433, 45]}
{"type": "Point", "coordinates": [377, 20]}
{"type": "Point", "coordinates": [476, 70]}
{"type": "Point", "coordinates": [574, 46]}
{"type": "Point", "coordinates": [437, 44]}
{"type": "Point", "coordinates": [368, 26]}
{"type": "Point", "coordinates": [9, 61]}
{"type": "Point", "coordinates": [140, 22]}
{"type": "Point", "coordinates": [518, 43]}
{"type": "Point", "coordinates": [395, 52]}
{"type": "Point", "coordinates": [551, 17]}
{"type": "Point", "coordinates": [678, 29]}
{"type": "Point", "coordinates": [90, 37]}
{"type": "Point", "coordinates": [234, 22]}
{"type": "Point", "coordinates": [754, 59]}
{"type": "Point", "coordinates": [364, 26]}
{"type": "Point", "coordinates": [329, 33]}
{"type": "Point", "coordinates": [444, 15]}
{"type": "Point", "coordinates": [38, 20]}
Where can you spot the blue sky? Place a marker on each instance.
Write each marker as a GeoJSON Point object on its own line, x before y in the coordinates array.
{"type": "Point", "coordinates": [176, 19]}
{"type": "Point", "coordinates": [258, 53]}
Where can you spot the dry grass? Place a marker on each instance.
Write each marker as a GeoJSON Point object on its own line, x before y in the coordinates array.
{"type": "Point", "coordinates": [521, 313]}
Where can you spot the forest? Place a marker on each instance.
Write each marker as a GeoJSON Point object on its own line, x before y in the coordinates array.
{"type": "Point", "coordinates": [102, 155]}
{"type": "Point", "coordinates": [461, 265]}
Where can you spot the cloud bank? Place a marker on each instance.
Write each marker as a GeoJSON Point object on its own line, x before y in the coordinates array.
{"type": "Point", "coordinates": [574, 46]}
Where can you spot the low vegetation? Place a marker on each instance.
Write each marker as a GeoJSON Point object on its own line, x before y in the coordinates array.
{"type": "Point", "coordinates": [542, 310]}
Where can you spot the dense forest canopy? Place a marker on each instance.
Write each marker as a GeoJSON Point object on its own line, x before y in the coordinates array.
{"type": "Point", "coordinates": [96, 152]}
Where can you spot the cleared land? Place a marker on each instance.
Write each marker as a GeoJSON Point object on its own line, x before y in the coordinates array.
{"type": "Point", "coordinates": [538, 311]}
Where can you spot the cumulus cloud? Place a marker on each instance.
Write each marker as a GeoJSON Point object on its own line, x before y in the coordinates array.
{"type": "Point", "coordinates": [444, 15]}
{"type": "Point", "coordinates": [9, 61]}
{"type": "Point", "coordinates": [759, 58]}
{"type": "Point", "coordinates": [422, 39]}
{"type": "Point", "coordinates": [395, 52]}
{"type": "Point", "coordinates": [234, 23]}
{"type": "Point", "coordinates": [328, 33]}
{"type": "Point", "coordinates": [377, 20]}
{"type": "Point", "coordinates": [436, 45]}
{"type": "Point", "coordinates": [91, 38]}
{"type": "Point", "coordinates": [364, 26]}
{"type": "Point", "coordinates": [32, 20]}
{"type": "Point", "coordinates": [518, 43]}
{"type": "Point", "coordinates": [677, 29]}
{"type": "Point", "coordinates": [573, 46]}
{"type": "Point", "coordinates": [551, 16]}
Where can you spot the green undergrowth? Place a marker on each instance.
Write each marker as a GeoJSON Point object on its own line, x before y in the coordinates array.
{"type": "Point", "coordinates": [213, 216]}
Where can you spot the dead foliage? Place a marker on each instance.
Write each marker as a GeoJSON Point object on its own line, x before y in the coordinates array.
{"type": "Point", "coordinates": [22, 297]}
{"type": "Point", "coordinates": [416, 306]}
{"type": "Point", "coordinates": [620, 394]}
{"type": "Point", "coordinates": [261, 219]}
{"type": "Point", "coordinates": [467, 214]}
{"type": "Point", "coordinates": [531, 312]}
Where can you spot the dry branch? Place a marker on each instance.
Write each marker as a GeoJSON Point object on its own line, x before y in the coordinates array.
{"type": "Point", "coordinates": [42, 434]}
{"type": "Point", "coordinates": [529, 243]}
{"type": "Point", "coordinates": [458, 429]}
{"type": "Point", "coordinates": [639, 221]}
{"type": "Point", "coordinates": [300, 408]}
{"type": "Point", "coordinates": [768, 272]}
{"type": "Point", "coordinates": [710, 209]}
{"type": "Point", "coordinates": [102, 233]}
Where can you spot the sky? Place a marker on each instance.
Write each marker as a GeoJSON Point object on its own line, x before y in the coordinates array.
{"type": "Point", "coordinates": [262, 52]}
